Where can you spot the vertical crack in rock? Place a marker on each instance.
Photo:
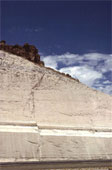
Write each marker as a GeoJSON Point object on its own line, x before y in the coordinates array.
{"type": "Point", "coordinates": [33, 103]}
{"type": "Point", "coordinates": [30, 103]}
{"type": "Point", "coordinates": [35, 87]}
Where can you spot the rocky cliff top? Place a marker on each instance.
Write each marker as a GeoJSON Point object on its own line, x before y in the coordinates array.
{"type": "Point", "coordinates": [27, 51]}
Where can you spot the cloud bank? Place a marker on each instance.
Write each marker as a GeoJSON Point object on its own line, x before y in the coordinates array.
{"type": "Point", "coordinates": [92, 69]}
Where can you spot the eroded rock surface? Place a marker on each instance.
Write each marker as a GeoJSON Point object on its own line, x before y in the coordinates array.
{"type": "Point", "coordinates": [27, 51]}
{"type": "Point", "coordinates": [46, 117]}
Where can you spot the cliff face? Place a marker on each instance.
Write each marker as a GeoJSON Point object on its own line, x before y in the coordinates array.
{"type": "Point", "coordinates": [45, 116]}
{"type": "Point", "coordinates": [62, 99]}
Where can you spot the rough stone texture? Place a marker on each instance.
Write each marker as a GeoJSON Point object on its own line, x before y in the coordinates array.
{"type": "Point", "coordinates": [46, 116]}
{"type": "Point", "coordinates": [26, 51]}
{"type": "Point", "coordinates": [19, 144]}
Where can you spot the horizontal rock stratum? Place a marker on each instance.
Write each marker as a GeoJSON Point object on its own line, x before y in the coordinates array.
{"type": "Point", "coordinates": [48, 120]}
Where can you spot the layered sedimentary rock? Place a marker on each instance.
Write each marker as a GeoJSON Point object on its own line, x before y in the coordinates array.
{"type": "Point", "coordinates": [49, 120]}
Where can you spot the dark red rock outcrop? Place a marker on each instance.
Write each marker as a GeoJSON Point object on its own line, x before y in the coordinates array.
{"type": "Point", "coordinates": [27, 51]}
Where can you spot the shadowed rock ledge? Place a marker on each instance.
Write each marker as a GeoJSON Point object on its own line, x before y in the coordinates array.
{"type": "Point", "coordinates": [27, 51]}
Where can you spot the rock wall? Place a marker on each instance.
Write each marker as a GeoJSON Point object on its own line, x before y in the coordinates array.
{"type": "Point", "coordinates": [50, 120]}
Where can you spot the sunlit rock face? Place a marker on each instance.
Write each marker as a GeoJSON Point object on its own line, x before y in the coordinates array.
{"type": "Point", "coordinates": [46, 116]}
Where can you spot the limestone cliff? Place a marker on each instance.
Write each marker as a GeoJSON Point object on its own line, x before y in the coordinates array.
{"type": "Point", "coordinates": [46, 116]}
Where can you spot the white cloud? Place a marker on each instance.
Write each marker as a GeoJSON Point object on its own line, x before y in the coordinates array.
{"type": "Point", "coordinates": [91, 69]}
{"type": "Point", "coordinates": [84, 74]}
{"type": "Point", "coordinates": [50, 61]}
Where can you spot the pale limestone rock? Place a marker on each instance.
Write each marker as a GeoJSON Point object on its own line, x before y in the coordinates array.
{"type": "Point", "coordinates": [46, 116]}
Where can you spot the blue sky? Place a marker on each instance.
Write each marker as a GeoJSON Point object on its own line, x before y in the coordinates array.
{"type": "Point", "coordinates": [72, 36]}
